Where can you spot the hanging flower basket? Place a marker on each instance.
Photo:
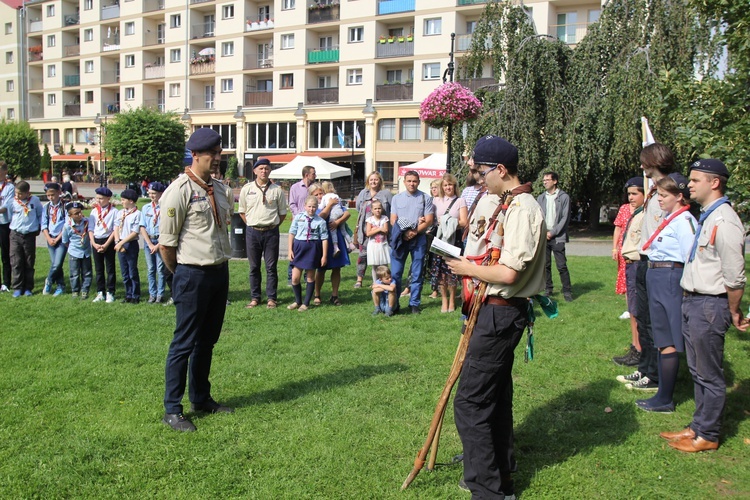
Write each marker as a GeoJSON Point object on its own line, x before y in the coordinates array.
{"type": "Point", "coordinates": [448, 104]}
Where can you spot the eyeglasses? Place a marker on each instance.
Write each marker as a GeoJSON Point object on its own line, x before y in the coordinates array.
{"type": "Point", "coordinates": [484, 173]}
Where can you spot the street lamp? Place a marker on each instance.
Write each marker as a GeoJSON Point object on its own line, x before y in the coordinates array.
{"type": "Point", "coordinates": [102, 153]}
{"type": "Point", "coordinates": [449, 74]}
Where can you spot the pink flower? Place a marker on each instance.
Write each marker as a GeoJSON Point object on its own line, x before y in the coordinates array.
{"type": "Point", "coordinates": [449, 103]}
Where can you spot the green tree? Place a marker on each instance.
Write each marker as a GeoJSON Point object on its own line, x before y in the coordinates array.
{"type": "Point", "coordinates": [232, 171]}
{"type": "Point", "coordinates": [144, 143]}
{"type": "Point", "coordinates": [46, 162]}
{"type": "Point", "coordinates": [19, 147]}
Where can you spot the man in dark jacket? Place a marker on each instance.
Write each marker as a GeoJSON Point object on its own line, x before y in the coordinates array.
{"type": "Point", "coordinates": [555, 205]}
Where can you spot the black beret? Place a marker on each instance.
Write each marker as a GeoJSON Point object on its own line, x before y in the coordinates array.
{"type": "Point", "coordinates": [73, 204]}
{"type": "Point", "coordinates": [262, 161]}
{"type": "Point", "coordinates": [157, 186]}
{"type": "Point", "coordinates": [52, 185]}
{"type": "Point", "coordinates": [203, 139]}
{"type": "Point", "coordinates": [103, 191]}
{"type": "Point", "coordinates": [682, 184]}
{"type": "Point", "coordinates": [129, 194]}
{"type": "Point", "coordinates": [491, 150]}
{"type": "Point", "coordinates": [634, 182]}
{"type": "Point", "coordinates": [710, 166]}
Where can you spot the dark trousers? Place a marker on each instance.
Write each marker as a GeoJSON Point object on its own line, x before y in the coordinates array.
{"type": "Point", "coordinates": [22, 260]}
{"type": "Point", "coordinates": [265, 245]}
{"type": "Point", "coordinates": [558, 249]}
{"type": "Point", "coordinates": [705, 321]}
{"type": "Point", "coordinates": [200, 299]}
{"type": "Point", "coordinates": [80, 269]}
{"type": "Point", "coordinates": [5, 252]}
{"type": "Point", "coordinates": [483, 408]}
{"type": "Point", "coordinates": [131, 279]}
{"type": "Point", "coordinates": [102, 261]}
{"type": "Point", "coordinates": [647, 364]}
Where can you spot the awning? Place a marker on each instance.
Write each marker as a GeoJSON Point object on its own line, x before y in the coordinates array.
{"type": "Point", "coordinates": [286, 158]}
{"type": "Point", "coordinates": [77, 157]}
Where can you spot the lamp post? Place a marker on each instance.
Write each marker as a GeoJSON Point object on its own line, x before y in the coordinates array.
{"type": "Point", "coordinates": [449, 75]}
{"type": "Point", "coordinates": [102, 153]}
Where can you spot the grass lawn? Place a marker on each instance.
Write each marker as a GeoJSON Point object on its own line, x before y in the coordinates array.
{"type": "Point", "coordinates": [333, 403]}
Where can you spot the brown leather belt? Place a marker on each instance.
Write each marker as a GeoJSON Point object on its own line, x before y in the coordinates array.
{"type": "Point", "coordinates": [696, 294]}
{"type": "Point", "coordinates": [512, 302]}
{"type": "Point", "coordinates": [627, 261]}
{"type": "Point", "coordinates": [668, 265]}
{"type": "Point", "coordinates": [263, 228]}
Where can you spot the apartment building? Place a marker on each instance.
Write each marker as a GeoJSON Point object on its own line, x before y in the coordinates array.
{"type": "Point", "coordinates": [275, 78]}
{"type": "Point", "coordinates": [13, 64]}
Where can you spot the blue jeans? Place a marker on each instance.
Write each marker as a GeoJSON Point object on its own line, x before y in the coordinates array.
{"type": "Point", "coordinates": [417, 248]}
{"type": "Point", "coordinates": [129, 268]}
{"type": "Point", "coordinates": [57, 257]}
{"type": "Point", "coordinates": [155, 267]}
{"type": "Point", "coordinates": [80, 266]}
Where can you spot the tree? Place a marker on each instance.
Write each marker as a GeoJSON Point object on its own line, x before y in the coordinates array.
{"type": "Point", "coordinates": [142, 143]}
{"type": "Point", "coordinates": [19, 147]}
{"type": "Point", "coordinates": [232, 168]}
{"type": "Point", "coordinates": [46, 162]}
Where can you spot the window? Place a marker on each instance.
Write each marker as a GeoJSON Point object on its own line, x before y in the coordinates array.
{"type": "Point", "coordinates": [51, 71]}
{"type": "Point", "coordinates": [566, 27]}
{"type": "Point", "coordinates": [325, 42]}
{"type": "Point", "coordinates": [357, 34]}
{"type": "Point", "coordinates": [130, 28]}
{"type": "Point", "coordinates": [287, 41]}
{"type": "Point", "coordinates": [8, 28]}
{"type": "Point", "coordinates": [387, 129]}
{"type": "Point", "coordinates": [51, 99]}
{"type": "Point", "coordinates": [410, 129]}
{"type": "Point", "coordinates": [88, 35]}
{"type": "Point", "coordinates": [434, 134]}
{"type": "Point", "coordinates": [287, 4]}
{"type": "Point", "coordinates": [11, 113]}
{"type": "Point", "coordinates": [386, 170]}
{"type": "Point", "coordinates": [9, 58]}
{"type": "Point", "coordinates": [88, 67]}
{"type": "Point", "coordinates": [10, 86]}
{"type": "Point", "coordinates": [282, 135]}
{"type": "Point", "coordinates": [50, 11]}
{"type": "Point", "coordinates": [433, 26]}
{"type": "Point", "coordinates": [227, 49]}
{"type": "Point", "coordinates": [129, 61]}
{"type": "Point", "coordinates": [88, 96]}
{"type": "Point", "coordinates": [324, 82]}
{"type": "Point", "coordinates": [175, 20]}
{"type": "Point", "coordinates": [174, 90]}
{"type": "Point", "coordinates": [227, 85]}
{"type": "Point", "coordinates": [323, 134]}
{"type": "Point", "coordinates": [175, 55]}
{"type": "Point", "coordinates": [129, 93]}
{"type": "Point", "coordinates": [594, 15]}
{"type": "Point", "coordinates": [393, 76]}
{"type": "Point", "coordinates": [88, 4]}
{"type": "Point", "coordinates": [354, 76]}
{"type": "Point", "coordinates": [471, 27]}
{"type": "Point", "coordinates": [287, 81]}
{"type": "Point", "coordinates": [69, 135]}
{"type": "Point", "coordinates": [227, 11]}
{"type": "Point", "coordinates": [431, 71]}
{"type": "Point", "coordinates": [50, 40]}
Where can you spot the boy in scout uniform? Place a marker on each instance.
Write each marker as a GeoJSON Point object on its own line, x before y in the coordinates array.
{"type": "Point", "coordinates": [194, 244]}
{"type": "Point", "coordinates": [484, 399]}
{"type": "Point", "coordinates": [713, 281]}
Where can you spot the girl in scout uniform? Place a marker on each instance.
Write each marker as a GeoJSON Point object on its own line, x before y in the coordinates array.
{"type": "Point", "coordinates": [53, 221]}
{"type": "Point", "coordinates": [127, 230]}
{"type": "Point", "coordinates": [150, 215]}
{"type": "Point", "coordinates": [308, 241]}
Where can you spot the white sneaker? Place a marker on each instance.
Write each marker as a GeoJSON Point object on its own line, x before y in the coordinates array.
{"type": "Point", "coordinates": [625, 315]}
{"type": "Point", "coordinates": [4, 288]}
{"type": "Point", "coordinates": [99, 297]}
{"type": "Point", "coordinates": [47, 287]}
{"type": "Point", "coordinates": [110, 298]}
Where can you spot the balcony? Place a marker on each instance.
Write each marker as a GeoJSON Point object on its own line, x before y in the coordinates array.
{"type": "Point", "coordinates": [155, 104]}
{"type": "Point", "coordinates": [35, 26]}
{"type": "Point", "coordinates": [36, 84]}
{"type": "Point", "coordinates": [324, 13]}
{"type": "Point", "coordinates": [193, 2]}
{"type": "Point", "coordinates": [114, 45]}
{"type": "Point", "coordinates": [202, 102]}
{"type": "Point", "coordinates": [475, 84]}
{"type": "Point", "coordinates": [394, 49]}
{"type": "Point", "coordinates": [329, 95]}
{"type": "Point", "coordinates": [259, 61]}
{"type": "Point", "coordinates": [35, 53]}
{"type": "Point", "coordinates": [470, 2]}
{"type": "Point", "coordinates": [569, 33]}
{"type": "Point", "coordinates": [71, 80]}
{"type": "Point", "coordinates": [151, 71]}
{"type": "Point", "coordinates": [203, 30]}
{"type": "Point", "coordinates": [266, 24]}
{"type": "Point", "coordinates": [111, 11]}
{"type": "Point", "coordinates": [258, 98]}
{"type": "Point", "coordinates": [153, 5]}
{"type": "Point", "coordinates": [152, 39]}
{"type": "Point", "coordinates": [71, 19]}
{"type": "Point", "coordinates": [71, 50]}
{"type": "Point", "coordinates": [202, 68]}
{"type": "Point", "coordinates": [395, 6]}
{"type": "Point", "coordinates": [36, 111]}
{"type": "Point", "coordinates": [72, 110]}
{"type": "Point", "coordinates": [110, 108]}
{"type": "Point", "coordinates": [110, 77]}
{"type": "Point", "coordinates": [394, 92]}
{"type": "Point", "coordinates": [319, 56]}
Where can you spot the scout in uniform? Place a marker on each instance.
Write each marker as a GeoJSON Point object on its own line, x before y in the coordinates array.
{"type": "Point", "coordinates": [7, 193]}
{"type": "Point", "coordinates": [102, 234]}
{"type": "Point", "coordinates": [53, 221]}
{"type": "Point", "coordinates": [75, 237]}
{"type": "Point", "coordinates": [127, 232]}
{"type": "Point", "coordinates": [150, 215]}
{"type": "Point", "coordinates": [25, 212]}
{"type": "Point", "coordinates": [195, 247]}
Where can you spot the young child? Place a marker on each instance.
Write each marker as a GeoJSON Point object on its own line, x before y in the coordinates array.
{"type": "Point", "coordinates": [127, 230]}
{"type": "Point", "coordinates": [150, 232]}
{"type": "Point", "coordinates": [102, 235]}
{"type": "Point", "coordinates": [383, 292]}
{"type": "Point", "coordinates": [336, 211]}
{"type": "Point", "coordinates": [308, 249]}
{"type": "Point", "coordinates": [53, 221]}
{"type": "Point", "coordinates": [376, 230]}
{"type": "Point", "coordinates": [25, 212]}
{"type": "Point", "coordinates": [75, 237]}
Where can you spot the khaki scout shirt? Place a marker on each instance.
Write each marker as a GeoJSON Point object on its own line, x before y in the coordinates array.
{"type": "Point", "coordinates": [262, 214]}
{"type": "Point", "coordinates": [631, 243]}
{"type": "Point", "coordinates": [187, 222]}
{"type": "Point", "coordinates": [652, 217]}
{"type": "Point", "coordinates": [721, 264]}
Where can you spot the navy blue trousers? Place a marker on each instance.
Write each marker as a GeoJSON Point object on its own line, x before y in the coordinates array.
{"type": "Point", "coordinates": [647, 364]}
{"type": "Point", "coordinates": [131, 278]}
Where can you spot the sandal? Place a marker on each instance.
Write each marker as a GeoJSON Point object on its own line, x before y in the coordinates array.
{"type": "Point", "coordinates": [302, 308]}
{"type": "Point", "coordinates": [335, 300]}
{"type": "Point", "coordinates": [271, 304]}
{"type": "Point", "coordinates": [316, 301]}
{"type": "Point", "coordinates": [292, 306]}
{"type": "Point", "coordinates": [251, 304]}
{"type": "Point", "coordinates": [358, 284]}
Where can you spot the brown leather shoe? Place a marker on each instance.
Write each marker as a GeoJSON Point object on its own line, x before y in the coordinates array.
{"type": "Point", "coordinates": [692, 445]}
{"type": "Point", "coordinates": [671, 436]}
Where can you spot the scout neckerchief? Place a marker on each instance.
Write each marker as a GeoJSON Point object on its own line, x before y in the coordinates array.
{"type": "Point", "coordinates": [664, 224]}
{"type": "Point", "coordinates": [630, 220]}
{"type": "Point", "coordinates": [83, 234]}
{"type": "Point", "coordinates": [100, 216]}
{"type": "Point", "coordinates": [157, 211]}
{"type": "Point", "coordinates": [124, 215]}
{"type": "Point", "coordinates": [52, 211]}
{"type": "Point", "coordinates": [263, 189]}
{"type": "Point", "coordinates": [25, 206]}
{"type": "Point", "coordinates": [703, 218]}
{"type": "Point", "coordinates": [209, 189]}
{"type": "Point", "coordinates": [473, 207]}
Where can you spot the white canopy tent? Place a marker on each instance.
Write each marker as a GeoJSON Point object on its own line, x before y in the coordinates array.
{"type": "Point", "coordinates": [432, 167]}
{"type": "Point", "coordinates": [323, 169]}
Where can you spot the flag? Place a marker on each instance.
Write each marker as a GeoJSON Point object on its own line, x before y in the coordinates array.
{"type": "Point", "coordinates": [357, 136]}
{"type": "Point", "coordinates": [341, 136]}
{"type": "Point", "coordinates": [646, 134]}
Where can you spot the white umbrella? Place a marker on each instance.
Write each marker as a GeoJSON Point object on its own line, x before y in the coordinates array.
{"type": "Point", "coordinates": [323, 169]}
{"type": "Point", "coordinates": [208, 51]}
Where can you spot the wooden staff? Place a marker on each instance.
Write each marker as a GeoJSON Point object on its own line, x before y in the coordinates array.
{"type": "Point", "coordinates": [433, 435]}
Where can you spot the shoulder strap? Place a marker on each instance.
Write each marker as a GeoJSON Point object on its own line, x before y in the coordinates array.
{"type": "Point", "coordinates": [451, 205]}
